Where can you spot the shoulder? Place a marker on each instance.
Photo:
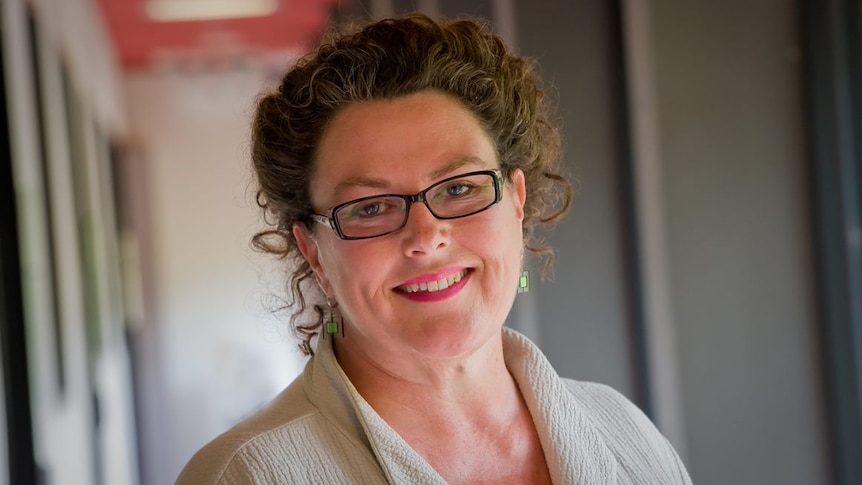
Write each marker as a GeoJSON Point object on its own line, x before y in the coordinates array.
{"type": "Point", "coordinates": [607, 406]}
{"type": "Point", "coordinates": [284, 414]}
{"type": "Point", "coordinates": [629, 434]}
{"type": "Point", "coordinates": [286, 442]}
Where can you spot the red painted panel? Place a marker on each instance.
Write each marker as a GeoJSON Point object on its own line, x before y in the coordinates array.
{"type": "Point", "coordinates": [294, 26]}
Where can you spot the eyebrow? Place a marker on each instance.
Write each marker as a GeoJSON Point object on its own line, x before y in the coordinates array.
{"type": "Point", "coordinates": [377, 183]}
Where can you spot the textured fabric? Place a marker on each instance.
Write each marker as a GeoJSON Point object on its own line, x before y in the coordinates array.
{"type": "Point", "coordinates": [320, 430]}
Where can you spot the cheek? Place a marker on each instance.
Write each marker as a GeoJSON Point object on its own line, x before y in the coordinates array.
{"type": "Point", "coordinates": [351, 266]}
{"type": "Point", "coordinates": [497, 237]}
{"type": "Point", "coordinates": [332, 261]}
{"type": "Point", "coordinates": [331, 264]}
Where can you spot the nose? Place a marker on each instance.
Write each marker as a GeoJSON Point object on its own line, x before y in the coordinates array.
{"type": "Point", "coordinates": [424, 233]}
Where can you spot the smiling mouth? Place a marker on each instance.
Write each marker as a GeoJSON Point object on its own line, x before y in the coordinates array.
{"type": "Point", "coordinates": [432, 286]}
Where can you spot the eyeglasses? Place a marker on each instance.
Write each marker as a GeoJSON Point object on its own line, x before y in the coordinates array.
{"type": "Point", "coordinates": [379, 215]}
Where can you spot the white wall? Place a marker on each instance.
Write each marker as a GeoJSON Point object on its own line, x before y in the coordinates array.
{"type": "Point", "coordinates": [219, 352]}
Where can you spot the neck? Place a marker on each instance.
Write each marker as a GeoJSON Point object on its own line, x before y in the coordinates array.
{"type": "Point", "coordinates": [465, 416]}
{"type": "Point", "coordinates": [453, 389]}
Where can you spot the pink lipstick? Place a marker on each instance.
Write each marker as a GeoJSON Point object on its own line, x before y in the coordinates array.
{"type": "Point", "coordinates": [435, 286]}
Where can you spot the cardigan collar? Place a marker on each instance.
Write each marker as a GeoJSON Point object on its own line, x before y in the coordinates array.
{"type": "Point", "coordinates": [574, 450]}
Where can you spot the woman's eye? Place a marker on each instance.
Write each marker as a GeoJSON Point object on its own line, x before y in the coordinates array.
{"type": "Point", "coordinates": [458, 189]}
{"type": "Point", "coordinates": [370, 209]}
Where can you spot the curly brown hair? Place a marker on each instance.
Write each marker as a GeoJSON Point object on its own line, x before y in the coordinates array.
{"type": "Point", "coordinates": [384, 60]}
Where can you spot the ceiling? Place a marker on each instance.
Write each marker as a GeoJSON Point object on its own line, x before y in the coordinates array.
{"type": "Point", "coordinates": [142, 42]}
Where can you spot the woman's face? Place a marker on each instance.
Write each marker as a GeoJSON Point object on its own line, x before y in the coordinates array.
{"type": "Point", "coordinates": [402, 146]}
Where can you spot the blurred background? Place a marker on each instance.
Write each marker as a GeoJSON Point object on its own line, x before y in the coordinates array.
{"type": "Point", "coordinates": [711, 267]}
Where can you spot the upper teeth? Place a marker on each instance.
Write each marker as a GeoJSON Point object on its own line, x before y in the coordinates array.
{"type": "Point", "coordinates": [438, 285]}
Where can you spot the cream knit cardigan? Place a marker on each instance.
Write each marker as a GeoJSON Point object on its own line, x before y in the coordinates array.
{"type": "Point", "coordinates": [319, 430]}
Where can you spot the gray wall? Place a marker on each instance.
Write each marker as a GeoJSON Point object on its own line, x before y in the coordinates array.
{"type": "Point", "coordinates": [732, 133]}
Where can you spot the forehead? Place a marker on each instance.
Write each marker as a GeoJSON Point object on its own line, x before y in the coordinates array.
{"type": "Point", "coordinates": [399, 144]}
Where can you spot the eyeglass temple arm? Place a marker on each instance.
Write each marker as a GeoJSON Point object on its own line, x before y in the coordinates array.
{"type": "Point", "coordinates": [323, 220]}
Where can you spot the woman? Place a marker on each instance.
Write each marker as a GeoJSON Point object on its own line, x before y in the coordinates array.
{"type": "Point", "coordinates": [403, 169]}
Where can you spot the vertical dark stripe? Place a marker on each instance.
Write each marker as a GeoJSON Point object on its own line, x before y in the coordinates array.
{"type": "Point", "coordinates": [13, 348]}
{"type": "Point", "coordinates": [834, 99]}
{"type": "Point", "coordinates": [629, 229]}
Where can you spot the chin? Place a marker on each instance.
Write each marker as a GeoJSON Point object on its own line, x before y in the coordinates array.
{"type": "Point", "coordinates": [446, 343]}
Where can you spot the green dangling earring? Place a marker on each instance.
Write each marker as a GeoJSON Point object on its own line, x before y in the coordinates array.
{"type": "Point", "coordinates": [524, 281]}
{"type": "Point", "coordinates": [330, 326]}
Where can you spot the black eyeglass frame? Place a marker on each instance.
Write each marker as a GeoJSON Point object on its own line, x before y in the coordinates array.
{"type": "Point", "coordinates": [332, 221]}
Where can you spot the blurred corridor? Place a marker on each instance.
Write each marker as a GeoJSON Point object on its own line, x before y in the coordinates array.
{"type": "Point", "coordinates": [711, 267]}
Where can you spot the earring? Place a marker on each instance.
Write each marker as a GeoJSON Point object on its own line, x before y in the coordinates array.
{"type": "Point", "coordinates": [330, 326]}
{"type": "Point", "coordinates": [524, 281]}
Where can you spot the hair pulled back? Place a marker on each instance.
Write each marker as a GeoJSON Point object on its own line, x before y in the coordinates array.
{"type": "Point", "coordinates": [384, 60]}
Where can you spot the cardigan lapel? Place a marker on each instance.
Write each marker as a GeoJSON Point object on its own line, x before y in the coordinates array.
{"type": "Point", "coordinates": [324, 384]}
{"type": "Point", "coordinates": [574, 451]}
{"type": "Point", "coordinates": [342, 404]}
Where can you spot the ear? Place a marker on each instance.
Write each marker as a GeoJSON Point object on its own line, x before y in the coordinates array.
{"type": "Point", "coordinates": [520, 192]}
{"type": "Point", "coordinates": [311, 252]}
